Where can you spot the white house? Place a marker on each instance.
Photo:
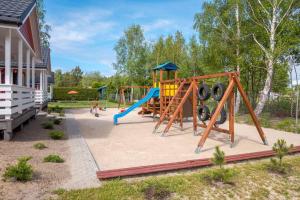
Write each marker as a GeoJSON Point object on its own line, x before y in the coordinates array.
{"type": "Point", "coordinates": [24, 65]}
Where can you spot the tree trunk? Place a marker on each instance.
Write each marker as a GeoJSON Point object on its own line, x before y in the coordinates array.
{"type": "Point", "coordinates": [238, 35]}
{"type": "Point", "coordinates": [270, 68]}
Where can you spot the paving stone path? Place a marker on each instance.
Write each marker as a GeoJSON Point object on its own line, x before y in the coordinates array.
{"type": "Point", "coordinates": [82, 164]}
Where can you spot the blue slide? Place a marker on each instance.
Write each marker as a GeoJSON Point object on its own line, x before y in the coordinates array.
{"type": "Point", "coordinates": [153, 93]}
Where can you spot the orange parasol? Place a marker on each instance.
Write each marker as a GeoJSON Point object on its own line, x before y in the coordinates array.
{"type": "Point", "coordinates": [72, 92]}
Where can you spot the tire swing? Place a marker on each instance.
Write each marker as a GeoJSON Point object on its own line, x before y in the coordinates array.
{"type": "Point", "coordinates": [203, 113]}
{"type": "Point", "coordinates": [204, 92]}
{"type": "Point", "coordinates": [218, 91]}
{"type": "Point", "coordinates": [222, 117]}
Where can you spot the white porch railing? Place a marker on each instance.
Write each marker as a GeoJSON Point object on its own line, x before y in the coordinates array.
{"type": "Point", "coordinates": [41, 96]}
{"type": "Point", "coordinates": [15, 99]}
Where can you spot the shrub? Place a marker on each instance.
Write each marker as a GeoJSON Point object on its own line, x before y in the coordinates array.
{"type": "Point", "coordinates": [56, 109]}
{"type": "Point", "coordinates": [62, 113]}
{"type": "Point", "coordinates": [61, 93]}
{"type": "Point", "coordinates": [56, 135]}
{"type": "Point", "coordinates": [221, 174]}
{"type": "Point", "coordinates": [279, 108]}
{"type": "Point", "coordinates": [281, 149]}
{"type": "Point", "coordinates": [286, 125]}
{"type": "Point", "coordinates": [218, 157]}
{"type": "Point", "coordinates": [53, 158]}
{"type": "Point", "coordinates": [47, 125]}
{"type": "Point", "coordinates": [22, 171]}
{"type": "Point", "coordinates": [57, 121]}
{"type": "Point", "coordinates": [39, 146]}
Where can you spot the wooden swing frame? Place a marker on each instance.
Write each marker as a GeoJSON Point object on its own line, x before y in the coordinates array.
{"type": "Point", "coordinates": [228, 96]}
{"type": "Point", "coordinates": [122, 89]}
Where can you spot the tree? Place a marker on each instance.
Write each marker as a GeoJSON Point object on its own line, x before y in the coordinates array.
{"type": "Point", "coordinates": [194, 57]}
{"type": "Point", "coordinates": [43, 26]}
{"type": "Point", "coordinates": [58, 76]}
{"type": "Point", "coordinates": [131, 51]}
{"type": "Point", "coordinates": [219, 27]}
{"type": "Point", "coordinates": [218, 157]}
{"type": "Point", "coordinates": [76, 76]}
{"type": "Point", "coordinates": [93, 79]}
{"type": "Point", "coordinates": [273, 32]}
{"type": "Point", "coordinates": [281, 149]}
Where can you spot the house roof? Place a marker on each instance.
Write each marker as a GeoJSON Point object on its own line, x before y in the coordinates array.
{"type": "Point", "coordinates": [15, 11]}
{"type": "Point", "coordinates": [45, 51]}
{"type": "Point", "coordinates": [168, 66]}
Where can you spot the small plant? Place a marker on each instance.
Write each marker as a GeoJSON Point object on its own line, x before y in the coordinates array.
{"type": "Point", "coordinates": [62, 113]}
{"type": "Point", "coordinates": [53, 158]}
{"type": "Point", "coordinates": [56, 135]}
{"type": "Point", "coordinates": [39, 146]}
{"type": "Point", "coordinates": [281, 149]}
{"type": "Point", "coordinates": [57, 121]}
{"type": "Point", "coordinates": [22, 171]}
{"type": "Point", "coordinates": [221, 174]}
{"type": "Point", "coordinates": [218, 157]}
{"type": "Point", "coordinates": [47, 125]}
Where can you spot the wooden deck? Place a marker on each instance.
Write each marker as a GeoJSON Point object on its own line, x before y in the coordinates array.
{"type": "Point", "coordinates": [189, 164]}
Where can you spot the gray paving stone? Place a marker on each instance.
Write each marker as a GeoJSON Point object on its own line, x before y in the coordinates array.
{"type": "Point", "coordinates": [82, 164]}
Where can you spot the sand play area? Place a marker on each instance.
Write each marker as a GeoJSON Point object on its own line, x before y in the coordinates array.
{"type": "Point", "coordinates": [132, 143]}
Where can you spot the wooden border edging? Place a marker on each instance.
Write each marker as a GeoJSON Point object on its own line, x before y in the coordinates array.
{"type": "Point", "coordinates": [188, 164]}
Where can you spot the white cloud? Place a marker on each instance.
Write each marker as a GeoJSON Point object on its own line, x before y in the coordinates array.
{"type": "Point", "coordinates": [158, 24]}
{"type": "Point", "coordinates": [82, 27]}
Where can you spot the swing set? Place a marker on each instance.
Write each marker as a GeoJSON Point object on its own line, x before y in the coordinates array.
{"type": "Point", "coordinates": [183, 98]}
{"type": "Point", "coordinates": [196, 92]}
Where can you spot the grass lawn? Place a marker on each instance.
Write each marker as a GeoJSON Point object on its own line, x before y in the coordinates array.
{"type": "Point", "coordinates": [80, 104]}
{"type": "Point", "coordinates": [285, 124]}
{"type": "Point", "coordinates": [252, 181]}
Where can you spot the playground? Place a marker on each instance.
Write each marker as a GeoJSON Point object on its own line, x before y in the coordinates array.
{"type": "Point", "coordinates": [132, 143]}
{"type": "Point", "coordinates": [177, 120]}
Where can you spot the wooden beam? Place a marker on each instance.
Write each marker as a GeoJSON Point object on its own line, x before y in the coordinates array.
{"type": "Point", "coordinates": [179, 107]}
{"type": "Point", "coordinates": [163, 115]}
{"type": "Point", "coordinates": [194, 104]}
{"type": "Point", "coordinates": [188, 164]}
{"type": "Point", "coordinates": [231, 117]}
{"type": "Point", "coordinates": [215, 128]}
{"type": "Point", "coordinates": [249, 107]}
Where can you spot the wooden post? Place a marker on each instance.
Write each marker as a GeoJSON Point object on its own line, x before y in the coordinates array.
{"type": "Point", "coordinates": [7, 52]}
{"type": "Point", "coordinates": [195, 102]}
{"type": "Point", "coordinates": [161, 94]}
{"type": "Point", "coordinates": [33, 74]}
{"type": "Point", "coordinates": [28, 68]}
{"type": "Point", "coordinates": [215, 115]}
{"type": "Point", "coordinates": [20, 62]}
{"type": "Point", "coordinates": [252, 114]}
{"type": "Point", "coordinates": [231, 117]}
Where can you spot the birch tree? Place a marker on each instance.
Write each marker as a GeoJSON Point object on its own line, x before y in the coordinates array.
{"type": "Point", "coordinates": [219, 27]}
{"type": "Point", "coordinates": [271, 18]}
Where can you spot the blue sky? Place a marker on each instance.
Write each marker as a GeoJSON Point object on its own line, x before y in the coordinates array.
{"type": "Point", "coordinates": [84, 32]}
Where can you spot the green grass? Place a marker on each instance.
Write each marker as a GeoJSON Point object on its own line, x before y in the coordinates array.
{"type": "Point", "coordinates": [80, 104]}
{"type": "Point", "coordinates": [284, 124]}
{"type": "Point", "coordinates": [253, 181]}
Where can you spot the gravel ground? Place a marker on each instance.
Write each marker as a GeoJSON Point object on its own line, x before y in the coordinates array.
{"type": "Point", "coordinates": [47, 176]}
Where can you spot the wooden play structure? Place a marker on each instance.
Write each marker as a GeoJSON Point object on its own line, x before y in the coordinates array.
{"type": "Point", "coordinates": [183, 98]}
{"type": "Point", "coordinates": [122, 96]}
